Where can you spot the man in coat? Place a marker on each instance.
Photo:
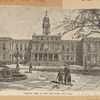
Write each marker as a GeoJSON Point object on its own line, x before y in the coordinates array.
{"type": "Point", "coordinates": [30, 68]}
{"type": "Point", "coordinates": [66, 73]}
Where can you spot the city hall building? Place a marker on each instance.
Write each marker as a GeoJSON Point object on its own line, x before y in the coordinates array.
{"type": "Point", "coordinates": [47, 49]}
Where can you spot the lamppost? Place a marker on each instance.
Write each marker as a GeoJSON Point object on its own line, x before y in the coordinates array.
{"type": "Point", "coordinates": [85, 58]}
{"type": "Point", "coordinates": [17, 55]}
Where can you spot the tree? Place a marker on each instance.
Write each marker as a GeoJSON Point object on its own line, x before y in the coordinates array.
{"type": "Point", "coordinates": [87, 19]}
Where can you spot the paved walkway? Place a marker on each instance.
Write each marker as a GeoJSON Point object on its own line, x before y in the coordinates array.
{"type": "Point", "coordinates": [41, 81]}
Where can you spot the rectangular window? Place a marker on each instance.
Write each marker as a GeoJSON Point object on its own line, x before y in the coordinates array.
{"type": "Point", "coordinates": [94, 47]}
{"type": "Point", "coordinates": [40, 57]}
{"type": "Point", "coordinates": [56, 47]}
{"type": "Point", "coordinates": [21, 57]}
{"type": "Point", "coordinates": [0, 46]}
{"type": "Point", "coordinates": [41, 47]}
{"type": "Point", "coordinates": [4, 56]}
{"type": "Point", "coordinates": [21, 47]}
{"type": "Point", "coordinates": [63, 57]}
{"type": "Point", "coordinates": [67, 57]}
{"type": "Point", "coordinates": [10, 46]}
{"type": "Point", "coordinates": [16, 46]}
{"type": "Point", "coordinates": [63, 47]}
{"type": "Point", "coordinates": [67, 47]}
{"type": "Point", "coordinates": [25, 47]}
{"type": "Point", "coordinates": [35, 57]}
{"type": "Point", "coordinates": [3, 46]}
{"type": "Point", "coordinates": [72, 58]}
{"type": "Point", "coordinates": [72, 47]}
{"type": "Point", "coordinates": [89, 47]}
{"type": "Point", "coordinates": [88, 58]}
{"type": "Point", "coordinates": [94, 58]}
{"type": "Point", "coordinates": [25, 57]}
{"type": "Point", "coordinates": [56, 57]}
{"type": "Point", "coordinates": [99, 58]}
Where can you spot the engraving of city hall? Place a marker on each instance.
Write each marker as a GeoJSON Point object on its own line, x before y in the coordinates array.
{"type": "Point", "coordinates": [52, 50]}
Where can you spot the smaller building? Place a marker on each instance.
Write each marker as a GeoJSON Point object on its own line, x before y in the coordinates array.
{"type": "Point", "coordinates": [90, 49]}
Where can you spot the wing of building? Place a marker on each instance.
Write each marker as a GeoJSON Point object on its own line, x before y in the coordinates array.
{"type": "Point", "coordinates": [48, 49]}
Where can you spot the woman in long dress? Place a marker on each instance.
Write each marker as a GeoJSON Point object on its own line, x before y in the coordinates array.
{"type": "Point", "coordinates": [66, 74]}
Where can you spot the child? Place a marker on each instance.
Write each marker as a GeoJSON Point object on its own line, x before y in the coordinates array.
{"type": "Point", "coordinates": [69, 79]}
{"type": "Point", "coordinates": [60, 77]}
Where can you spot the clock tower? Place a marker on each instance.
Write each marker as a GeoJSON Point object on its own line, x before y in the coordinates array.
{"type": "Point", "coordinates": [46, 25]}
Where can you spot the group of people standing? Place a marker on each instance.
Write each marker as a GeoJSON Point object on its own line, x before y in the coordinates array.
{"type": "Point", "coordinates": [65, 76]}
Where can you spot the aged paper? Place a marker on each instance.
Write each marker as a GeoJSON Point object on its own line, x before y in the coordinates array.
{"type": "Point", "coordinates": [50, 48]}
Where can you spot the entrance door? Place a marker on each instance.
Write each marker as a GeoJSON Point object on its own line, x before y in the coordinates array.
{"type": "Point", "coordinates": [56, 57]}
{"type": "Point", "coordinates": [50, 57]}
{"type": "Point", "coordinates": [45, 57]}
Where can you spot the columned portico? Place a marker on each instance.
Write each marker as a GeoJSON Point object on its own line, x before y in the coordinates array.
{"type": "Point", "coordinates": [45, 57]}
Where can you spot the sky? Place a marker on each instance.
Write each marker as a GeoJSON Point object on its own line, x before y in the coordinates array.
{"type": "Point", "coordinates": [23, 22]}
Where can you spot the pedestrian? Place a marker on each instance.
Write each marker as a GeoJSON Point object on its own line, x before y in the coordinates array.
{"type": "Point", "coordinates": [66, 73]}
{"type": "Point", "coordinates": [69, 78]}
{"type": "Point", "coordinates": [30, 68]}
{"type": "Point", "coordinates": [60, 77]}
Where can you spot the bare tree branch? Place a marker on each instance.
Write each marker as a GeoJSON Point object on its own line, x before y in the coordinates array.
{"type": "Point", "coordinates": [89, 18]}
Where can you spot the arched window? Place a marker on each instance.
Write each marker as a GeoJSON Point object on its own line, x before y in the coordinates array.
{"type": "Point", "coordinates": [63, 48]}
{"type": "Point", "coordinates": [63, 57]}
{"type": "Point", "coordinates": [21, 47]}
{"type": "Point", "coordinates": [3, 46]}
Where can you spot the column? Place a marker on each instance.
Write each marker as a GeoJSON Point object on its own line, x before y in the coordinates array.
{"type": "Point", "coordinates": [10, 57]}
{"type": "Point", "coordinates": [84, 61]}
{"type": "Point", "coordinates": [69, 47]}
{"type": "Point", "coordinates": [42, 57]}
{"type": "Point", "coordinates": [74, 58]}
{"type": "Point", "coordinates": [47, 57]}
{"type": "Point", "coordinates": [54, 47]}
{"type": "Point", "coordinates": [75, 48]}
{"type": "Point", "coordinates": [97, 59]}
{"type": "Point", "coordinates": [97, 47]}
{"type": "Point", "coordinates": [53, 57]}
{"type": "Point", "coordinates": [59, 57]}
{"type": "Point", "coordinates": [23, 57]}
{"type": "Point", "coordinates": [23, 44]}
{"type": "Point", "coordinates": [91, 58]}
{"type": "Point", "coordinates": [37, 57]}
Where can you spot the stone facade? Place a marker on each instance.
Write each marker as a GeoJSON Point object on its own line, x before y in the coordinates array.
{"type": "Point", "coordinates": [90, 52]}
{"type": "Point", "coordinates": [8, 49]}
{"type": "Point", "coordinates": [51, 49]}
